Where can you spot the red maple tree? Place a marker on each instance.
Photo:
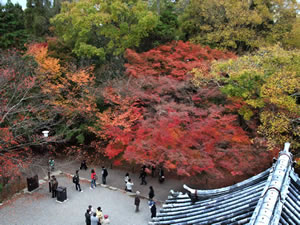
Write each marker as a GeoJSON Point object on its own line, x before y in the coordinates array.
{"type": "Point", "coordinates": [166, 122]}
{"type": "Point", "coordinates": [175, 59]}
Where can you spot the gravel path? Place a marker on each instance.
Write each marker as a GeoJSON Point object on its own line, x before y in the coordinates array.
{"type": "Point", "coordinates": [38, 208]}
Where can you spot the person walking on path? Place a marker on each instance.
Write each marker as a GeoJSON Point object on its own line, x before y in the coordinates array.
{"type": "Point", "coordinates": [51, 164]}
{"type": "Point", "coordinates": [143, 175]}
{"type": "Point", "coordinates": [76, 180]}
{"type": "Point", "coordinates": [152, 207]}
{"type": "Point", "coordinates": [104, 175]}
{"type": "Point", "coordinates": [153, 168]}
{"type": "Point", "coordinates": [129, 185]}
{"type": "Point", "coordinates": [137, 201]}
{"type": "Point", "coordinates": [94, 219]}
{"type": "Point", "coordinates": [151, 193]}
{"type": "Point", "coordinates": [161, 175]}
{"type": "Point", "coordinates": [54, 187]}
{"type": "Point", "coordinates": [105, 221]}
{"type": "Point", "coordinates": [93, 178]}
{"type": "Point", "coordinates": [87, 217]}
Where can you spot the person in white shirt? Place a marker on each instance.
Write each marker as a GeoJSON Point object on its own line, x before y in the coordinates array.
{"type": "Point", "coordinates": [126, 178]}
{"type": "Point", "coordinates": [129, 185]}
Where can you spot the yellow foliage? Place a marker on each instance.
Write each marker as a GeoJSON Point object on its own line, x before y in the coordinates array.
{"type": "Point", "coordinates": [48, 66]}
{"type": "Point", "coordinates": [67, 90]}
{"type": "Point", "coordinates": [268, 82]}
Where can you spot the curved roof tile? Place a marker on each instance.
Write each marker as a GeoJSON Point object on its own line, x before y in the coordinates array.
{"type": "Point", "coordinates": [269, 198]}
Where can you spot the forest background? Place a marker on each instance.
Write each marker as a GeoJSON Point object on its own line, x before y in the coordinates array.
{"type": "Point", "coordinates": [206, 87]}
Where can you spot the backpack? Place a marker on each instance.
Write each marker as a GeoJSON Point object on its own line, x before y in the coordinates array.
{"type": "Point", "coordinates": [105, 173]}
{"type": "Point", "coordinates": [96, 177]}
{"type": "Point", "coordinates": [75, 179]}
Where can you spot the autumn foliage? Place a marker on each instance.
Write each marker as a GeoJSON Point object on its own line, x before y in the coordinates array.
{"type": "Point", "coordinates": [158, 117]}
{"type": "Point", "coordinates": [267, 87]}
{"type": "Point", "coordinates": [17, 97]}
{"type": "Point", "coordinates": [175, 60]}
{"type": "Point", "coordinates": [70, 91]}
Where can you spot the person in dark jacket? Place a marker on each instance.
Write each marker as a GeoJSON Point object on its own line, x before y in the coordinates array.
{"type": "Point", "coordinates": [76, 181]}
{"type": "Point", "coordinates": [87, 217]}
{"type": "Point", "coordinates": [143, 175]}
{"type": "Point", "coordinates": [151, 192]}
{"type": "Point", "coordinates": [51, 183]}
{"type": "Point", "coordinates": [54, 187]}
{"type": "Point", "coordinates": [83, 165]}
{"type": "Point", "coordinates": [104, 175]}
{"type": "Point", "coordinates": [153, 168]}
{"type": "Point", "coordinates": [137, 201]}
{"type": "Point", "coordinates": [152, 207]}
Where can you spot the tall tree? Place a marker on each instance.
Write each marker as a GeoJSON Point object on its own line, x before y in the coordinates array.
{"type": "Point", "coordinates": [38, 14]}
{"type": "Point", "coordinates": [238, 24]}
{"type": "Point", "coordinates": [23, 113]}
{"type": "Point", "coordinates": [70, 92]}
{"type": "Point", "coordinates": [12, 27]}
{"type": "Point", "coordinates": [166, 29]}
{"type": "Point", "coordinates": [101, 28]}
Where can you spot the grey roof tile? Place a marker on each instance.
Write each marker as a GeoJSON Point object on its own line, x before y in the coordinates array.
{"type": "Point", "coordinates": [269, 198]}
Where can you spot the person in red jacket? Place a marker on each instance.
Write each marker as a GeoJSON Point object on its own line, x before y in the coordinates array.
{"type": "Point", "coordinates": [93, 178]}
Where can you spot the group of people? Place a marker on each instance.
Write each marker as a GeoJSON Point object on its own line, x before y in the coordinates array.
{"type": "Point", "coordinates": [128, 187]}
{"type": "Point", "coordinates": [94, 177]}
{"type": "Point", "coordinates": [143, 174]}
{"type": "Point", "coordinates": [151, 202]}
{"type": "Point", "coordinates": [96, 217]}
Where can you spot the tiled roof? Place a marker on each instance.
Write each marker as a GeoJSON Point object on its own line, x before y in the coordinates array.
{"type": "Point", "coordinates": [269, 198]}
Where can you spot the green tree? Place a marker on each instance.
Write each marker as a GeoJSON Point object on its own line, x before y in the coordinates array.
{"type": "Point", "coordinates": [292, 39]}
{"type": "Point", "coordinates": [102, 28]}
{"type": "Point", "coordinates": [166, 29]}
{"type": "Point", "coordinates": [12, 28]}
{"type": "Point", "coordinates": [38, 14]}
{"type": "Point", "coordinates": [266, 85]}
{"type": "Point", "coordinates": [238, 24]}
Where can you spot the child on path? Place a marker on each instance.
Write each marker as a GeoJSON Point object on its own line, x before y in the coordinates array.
{"type": "Point", "coordinates": [105, 221]}
{"type": "Point", "coordinates": [54, 187]}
